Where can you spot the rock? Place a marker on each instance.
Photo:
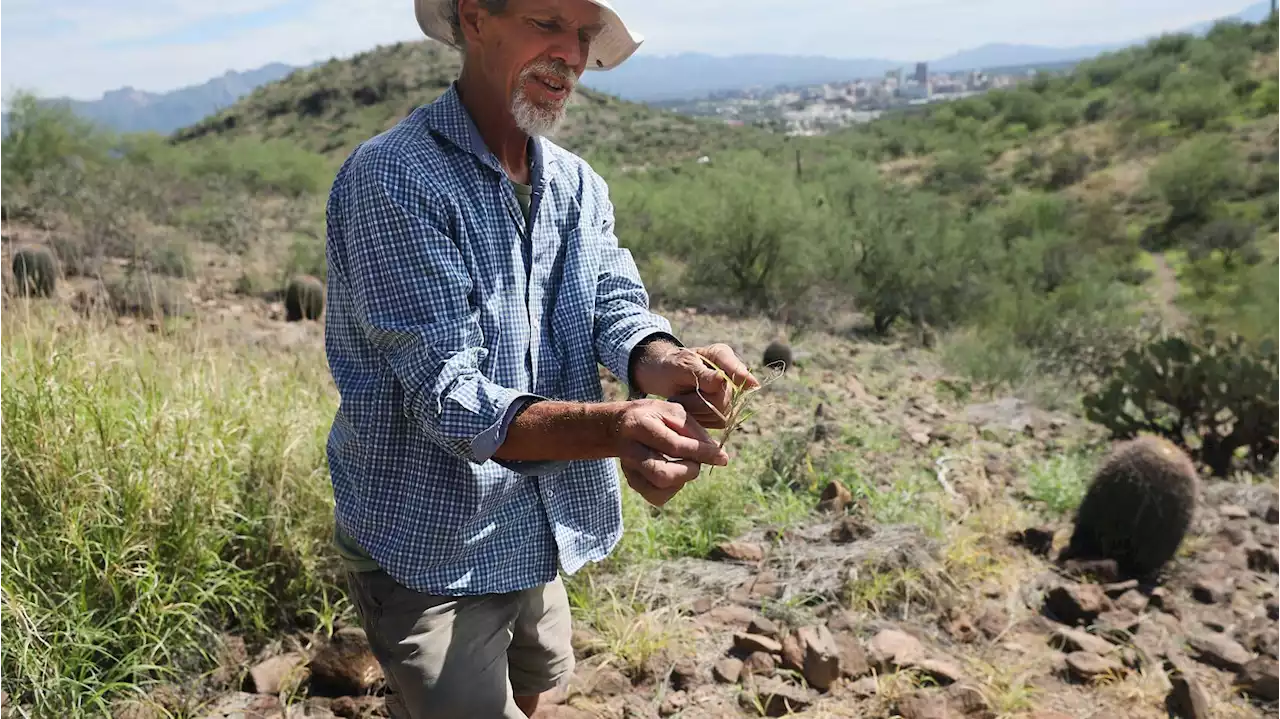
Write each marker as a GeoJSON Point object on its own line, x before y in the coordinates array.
{"type": "Point", "coordinates": [364, 707]}
{"type": "Point", "coordinates": [636, 707]}
{"type": "Point", "coordinates": [864, 688]}
{"type": "Point", "coordinates": [835, 497]}
{"type": "Point", "coordinates": [969, 701]}
{"type": "Point", "coordinates": [821, 656]}
{"type": "Point", "coordinates": [345, 665]}
{"type": "Point", "coordinates": [738, 551]}
{"type": "Point", "coordinates": [762, 586]}
{"type": "Point", "coordinates": [727, 670]}
{"type": "Point", "coordinates": [561, 711]}
{"type": "Point", "coordinates": [233, 655]}
{"type": "Point", "coordinates": [1236, 534]}
{"type": "Point", "coordinates": [673, 703]}
{"type": "Point", "coordinates": [1072, 640]}
{"type": "Point", "coordinates": [1219, 651]}
{"type": "Point", "coordinates": [1075, 603]}
{"type": "Point", "coordinates": [748, 643]}
{"type": "Point", "coordinates": [1260, 678]}
{"type": "Point", "coordinates": [1273, 608]}
{"type": "Point", "coordinates": [1264, 641]}
{"type": "Point", "coordinates": [1087, 666]}
{"type": "Point", "coordinates": [1115, 589]}
{"type": "Point", "coordinates": [1102, 570]}
{"type": "Point", "coordinates": [760, 664]}
{"type": "Point", "coordinates": [850, 529]}
{"type": "Point", "coordinates": [701, 605]}
{"type": "Point", "coordinates": [923, 705]}
{"type": "Point", "coordinates": [1116, 624]}
{"type": "Point", "coordinates": [1049, 714]}
{"type": "Point", "coordinates": [244, 705]}
{"type": "Point", "coordinates": [1210, 590]}
{"type": "Point", "coordinates": [1262, 559]}
{"type": "Point", "coordinates": [853, 660]}
{"type": "Point", "coordinates": [1231, 511]}
{"type": "Point", "coordinates": [763, 626]}
{"type": "Point", "coordinates": [1133, 601]}
{"type": "Point", "coordinates": [276, 674]}
{"type": "Point", "coordinates": [604, 681]}
{"type": "Point", "coordinates": [1037, 540]}
{"type": "Point", "coordinates": [776, 697]}
{"type": "Point", "coordinates": [943, 671]}
{"type": "Point", "coordinates": [792, 653]}
{"type": "Point", "coordinates": [892, 648]}
{"type": "Point", "coordinates": [992, 620]}
{"type": "Point", "coordinates": [1187, 699]}
{"type": "Point", "coordinates": [686, 675]}
{"type": "Point", "coordinates": [586, 643]}
{"type": "Point", "coordinates": [732, 615]}
{"type": "Point", "coordinates": [961, 628]}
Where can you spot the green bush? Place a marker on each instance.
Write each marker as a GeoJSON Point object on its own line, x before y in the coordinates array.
{"type": "Point", "coordinates": [1194, 178]}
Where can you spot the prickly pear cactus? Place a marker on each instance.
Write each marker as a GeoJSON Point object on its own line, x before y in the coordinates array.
{"type": "Point", "coordinates": [1215, 398]}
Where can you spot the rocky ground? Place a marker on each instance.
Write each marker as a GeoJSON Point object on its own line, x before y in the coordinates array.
{"type": "Point", "coordinates": [940, 603]}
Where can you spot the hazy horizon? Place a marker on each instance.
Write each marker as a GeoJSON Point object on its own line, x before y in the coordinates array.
{"type": "Point", "coordinates": [81, 49]}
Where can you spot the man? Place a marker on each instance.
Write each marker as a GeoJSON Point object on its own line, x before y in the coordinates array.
{"type": "Point", "coordinates": [475, 282]}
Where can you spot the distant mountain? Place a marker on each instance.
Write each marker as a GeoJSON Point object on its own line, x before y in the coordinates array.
{"type": "Point", "coordinates": [1008, 55]}
{"type": "Point", "coordinates": [655, 78]}
{"type": "Point", "coordinates": [131, 110]}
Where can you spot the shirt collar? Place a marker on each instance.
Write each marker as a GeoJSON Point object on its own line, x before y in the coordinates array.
{"type": "Point", "coordinates": [447, 116]}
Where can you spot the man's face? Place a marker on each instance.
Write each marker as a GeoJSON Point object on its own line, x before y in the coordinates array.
{"type": "Point", "coordinates": [535, 51]}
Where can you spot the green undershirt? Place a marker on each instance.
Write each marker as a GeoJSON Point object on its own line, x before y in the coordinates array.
{"type": "Point", "coordinates": [348, 548]}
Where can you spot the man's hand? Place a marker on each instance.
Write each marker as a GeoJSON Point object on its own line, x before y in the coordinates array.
{"type": "Point", "coordinates": [661, 448]}
{"type": "Point", "coordinates": [680, 374]}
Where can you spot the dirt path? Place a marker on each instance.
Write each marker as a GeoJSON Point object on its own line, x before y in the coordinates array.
{"type": "Point", "coordinates": [1166, 292]}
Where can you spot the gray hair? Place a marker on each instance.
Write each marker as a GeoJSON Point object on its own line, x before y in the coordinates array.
{"type": "Point", "coordinates": [493, 7]}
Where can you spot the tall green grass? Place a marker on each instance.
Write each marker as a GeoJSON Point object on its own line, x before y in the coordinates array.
{"type": "Point", "coordinates": [156, 492]}
{"type": "Point", "coordinates": [162, 488]}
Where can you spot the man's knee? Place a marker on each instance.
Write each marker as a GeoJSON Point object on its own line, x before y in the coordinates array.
{"type": "Point", "coordinates": [444, 657]}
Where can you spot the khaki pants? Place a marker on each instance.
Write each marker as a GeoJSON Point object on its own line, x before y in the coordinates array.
{"type": "Point", "coordinates": [447, 657]}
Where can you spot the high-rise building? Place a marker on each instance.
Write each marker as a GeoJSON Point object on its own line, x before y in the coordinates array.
{"type": "Point", "coordinates": [922, 73]}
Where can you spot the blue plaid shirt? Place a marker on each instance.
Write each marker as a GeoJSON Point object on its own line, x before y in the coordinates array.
{"type": "Point", "coordinates": [445, 313]}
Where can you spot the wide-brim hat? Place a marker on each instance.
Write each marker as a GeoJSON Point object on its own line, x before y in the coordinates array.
{"type": "Point", "coordinates": [614, 44]}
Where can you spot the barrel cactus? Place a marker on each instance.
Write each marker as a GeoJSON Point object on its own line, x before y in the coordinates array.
{"type": "Point", "coordinates": [35, 272]}
{"type": "Point", "coordinates": [303, 298]}
{"type": "Point", "coordinates": [777, 355]}
{"type": "Point", "coordinates": [1138, 507]}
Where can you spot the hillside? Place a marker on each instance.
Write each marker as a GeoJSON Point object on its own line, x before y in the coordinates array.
{"type": "Point", "coordinates": [980, 298]}
{"type": "Point", "coordinates": [332, 107]}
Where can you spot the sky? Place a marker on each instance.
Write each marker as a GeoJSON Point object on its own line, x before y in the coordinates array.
{"type": "Point", "coordinates": [81, 48]}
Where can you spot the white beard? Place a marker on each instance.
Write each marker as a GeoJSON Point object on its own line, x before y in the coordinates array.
{"type": "Point", "coordinates": [534, 120]}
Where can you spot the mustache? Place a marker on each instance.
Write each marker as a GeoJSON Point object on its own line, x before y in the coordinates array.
{"type": "Point", "coordinates": [559, 70]}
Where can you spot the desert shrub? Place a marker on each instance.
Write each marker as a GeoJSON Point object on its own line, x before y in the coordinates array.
{"type": "Point", "coordinates": [43, 134]}
{"type": "Point", "coordinates": [1211, 396]}
{"type": "Point", "coordinates": [1194, 178]}
{"type": "Point", "coordinates": [957, 171]}
{"type": "Point", "coordinates": [1229, 239]}
{"type": "Point", "coordinates": [142, 294]}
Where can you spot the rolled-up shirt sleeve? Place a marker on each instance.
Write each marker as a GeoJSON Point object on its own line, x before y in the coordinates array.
{"type": "Point", "coordinates": [622, 315]}
{"type": "Point", "coordinates": [410, 289]}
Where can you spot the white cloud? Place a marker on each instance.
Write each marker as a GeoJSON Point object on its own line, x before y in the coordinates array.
{"type": "Point", "coordinates": [84, 47]}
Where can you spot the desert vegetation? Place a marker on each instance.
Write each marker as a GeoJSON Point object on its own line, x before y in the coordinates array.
{"type": "Point", "coordinates": [973, 303]}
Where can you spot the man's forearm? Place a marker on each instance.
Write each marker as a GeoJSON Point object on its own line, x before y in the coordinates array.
{"type": "Point", "coordinates": [556, 431]}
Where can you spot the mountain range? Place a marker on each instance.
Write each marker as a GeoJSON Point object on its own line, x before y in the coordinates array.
{"type": "Point", "coordinates": [644, 78]}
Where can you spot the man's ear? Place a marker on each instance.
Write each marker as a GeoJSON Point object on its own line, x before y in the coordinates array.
{"type": "Point", "coordinates": [469, 18]}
